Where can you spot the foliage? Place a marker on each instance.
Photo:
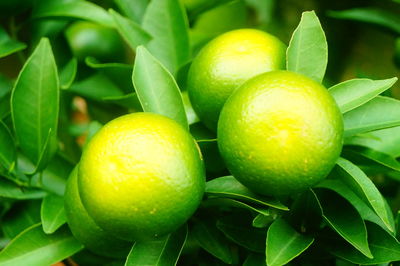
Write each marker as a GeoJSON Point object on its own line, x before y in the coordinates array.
{"type": "Point", "coordinates": [51, 104]}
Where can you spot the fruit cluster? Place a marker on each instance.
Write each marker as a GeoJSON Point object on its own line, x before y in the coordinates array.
{"type": "Point", "coordinates": [142, 175]}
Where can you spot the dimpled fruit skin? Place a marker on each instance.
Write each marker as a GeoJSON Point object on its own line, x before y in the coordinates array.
{"type": "Point", "coordinates": [280, 133]}
{"type": "Point", "coordinates": [141, 176]}
{"type": "Point", "coordinates": [225, 63]}
{"type": "Point", "coordinates": [85, 229]}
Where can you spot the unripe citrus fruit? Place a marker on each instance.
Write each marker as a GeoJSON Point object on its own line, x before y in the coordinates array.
{"type": "Point", "coordinates": [280, 133]}
{"type": "Point", "coordinates": [91, 39]}
{"type": "Point", "coordinates": [225, 63]}
{"type": "Point", "coordinates": [85, 229]}
{"type": "Point", "coordinates": [141, 176]}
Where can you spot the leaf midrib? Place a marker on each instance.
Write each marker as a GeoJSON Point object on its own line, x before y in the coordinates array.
{"type": "Point", "coordinates": [284, 248]}
{"type": "Point", "coordinates": [39, 127]}
{"type": "Point", "coordinates": [27, 254]}
{"type": "Point", "coordinates": [371, 202]}
{"type": "Point", "coordinates": [55, 221]}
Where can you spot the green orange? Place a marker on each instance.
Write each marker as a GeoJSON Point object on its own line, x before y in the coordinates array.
{"type": "Point", "coordinates": [225, 63]}
{"type": "Point", "coordinates": [280, 133]}
{"type": "Point", "coordinates": [90, 39]}
{"type": "Point", "coordinates": [141, 176]}
{"type": "Point", "coordinates": [85, 229]}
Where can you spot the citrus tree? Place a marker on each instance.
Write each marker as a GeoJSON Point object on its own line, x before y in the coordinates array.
{"type": "Point", "coordinates": [171, 132]}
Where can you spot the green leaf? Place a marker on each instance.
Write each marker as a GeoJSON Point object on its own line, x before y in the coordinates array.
{"type": "Point", "coordinates": [265, 12]}
{"type": "Point", "coordinates": [362, 208]}
{"type": "Point", "coordinates": [33, 247]}
{"type": "Point", "coordinates": [96, 87]}
{"type": "Point", "coordinates": [361, 185]}
{"type": "Point", "coordinates": [212, 240]}
{"type": "Point", "coordinates": [132, 33]}
{"type": "Point", "coordinates": [351, 94]}
{"type": "Point", "coordinates": [5, 106]}
{"type": "Point", "coordinates": [343, 218]}
{"type": "Point", "coordinates": [384, 247]}
{"type": "Point", "coordinates": [118, 74]}
{"type": "Point", "coordinates": [389, 20]}
{"type": "Point", "coordinates": [53, 178]}
{"type": "Point", "coordinates": [167, 23]}
{"type": "Point", "coordinates": [156, 87]}
{"type": "Point", "coordinates": [226, 202]}
{"type": "Point", "coordinates": [308, 41]}
{"type": "Point", "coordinates": [239, 229]}
{"type": "Point", "coordinates": [11, 190]}
{"type": "Point", "coordinates": [76, 9]}
{"type": "Point", "coordinates": [263, 221]}
{"type": "Point", "coordinates": [9, 46]}
{"type": "Point", "coordinates": [229, 187]}
{"type": "Point", "coordinates": [94, 63]}
{"type": "Point", "coordinates": [370, 156]}
{"type": "Point", "coordinates": [398, 224]}
{"type": "Point", "coordinates": [133, 9]}
{"type": "Point", "coordinates": [94, 126]}
{"type": "Point", "coordinates": [52, 213]}
{"type": "Point", "coordinates": [129, 101]}
{"type": "Point", "coordinates": [381, 112]}
{"type": "Point", "coordinates": [35, 105]}
{"type": "Point", "coordinates": [384, 140]}
{"type": "Point", "coordinates": [254, 260]}
{"type": "Point", "coordinates": [163, 251]}
{"type": "Point", "coordinates": [68, 73]}
{"type": "Point", "coordinates": [8, 152]}
{"type": "Point", "coordinates": [22, 215]}
{"type": "Point", "coordinates": [305, 213]}
{"type": "Point", "coordinates": [6, 86]}
{"type": "Point", "coordinates": [190, 112]}
{"type": "Point", "coordinates": [284, 243]}
{"type": "Point", "coordinates": [209, 24]}
{"type": "Point", "coordinates": [197, 8]}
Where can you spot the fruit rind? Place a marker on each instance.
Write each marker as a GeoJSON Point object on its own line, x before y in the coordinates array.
{"type": "Point", "coordinates": [225, 63]}
{"type": "Point", "coordinates": [280, 133]}
{"type": "Point", "coordinates": [141, 176]}
{"type": "Point", "coordinates": [85, 229]}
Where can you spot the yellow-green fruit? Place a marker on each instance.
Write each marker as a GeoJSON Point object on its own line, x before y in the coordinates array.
{"type": "Point", "coordinates": [91, 39]}
{"type": "Point", "coordinates": [85, 229]}
{"type": "Point", "coordinates": [225, 63]}
{"type": "Point", "coordinates": [280, 133]}
{"type": "Point", "coordinates": [141, 176]}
